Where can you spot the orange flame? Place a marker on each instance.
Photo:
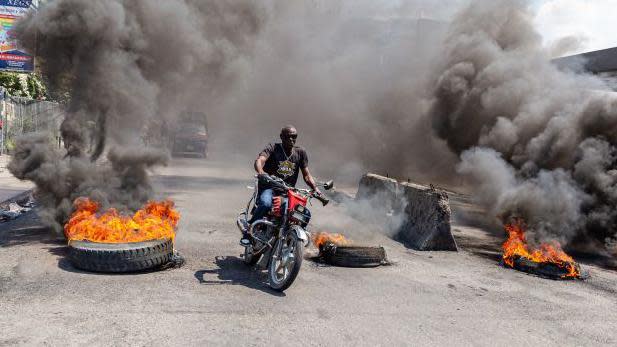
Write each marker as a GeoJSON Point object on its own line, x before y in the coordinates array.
{"type": "Point", "coordinates": [321, 238]}
{"type": "Point", "coordinates": [516, 245]}
{"type": "Point", "coordinates": [157, 220]}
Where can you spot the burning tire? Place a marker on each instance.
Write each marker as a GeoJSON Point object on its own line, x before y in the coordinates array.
{"type": "Point", "coordinates": [120, 257]}
{"type": "Point", "coordinates": [547, 270]}
{"type": "Point", "coordinates": [350, 256]}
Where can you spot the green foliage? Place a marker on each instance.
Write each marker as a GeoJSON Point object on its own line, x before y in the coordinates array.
{"type": "Point", "coordinates": [9, 144]}
{"type": "Point", "coordinates": [29, 86]}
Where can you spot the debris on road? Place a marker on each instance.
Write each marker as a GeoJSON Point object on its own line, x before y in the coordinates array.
{"type": "Point", "coordinates": [13, 209]}
{"type": "Point", "coordinates": [176, 261]}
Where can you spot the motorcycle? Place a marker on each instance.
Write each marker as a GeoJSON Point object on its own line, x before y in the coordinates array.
{"type": "Point", "coordinates": [278, 240]}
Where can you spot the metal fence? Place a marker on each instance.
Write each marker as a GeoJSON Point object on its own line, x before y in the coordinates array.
{"type": "Point", "coordinates": [22, 116]}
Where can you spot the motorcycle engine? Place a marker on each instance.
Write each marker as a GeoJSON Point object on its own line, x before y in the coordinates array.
{"type": "Point", "coordinates": [261, 234]}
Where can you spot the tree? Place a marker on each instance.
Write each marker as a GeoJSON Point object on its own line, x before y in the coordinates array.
{"type": "Point", "coordinates": [24, 85]}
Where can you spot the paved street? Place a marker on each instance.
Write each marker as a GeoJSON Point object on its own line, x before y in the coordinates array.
{"type": "Point", "coordinates": [424, 298]}
{"type": "Point", "coordinates": [9, 185]}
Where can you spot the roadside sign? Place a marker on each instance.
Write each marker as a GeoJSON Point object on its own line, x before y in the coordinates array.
{"type": "Point", "coordinates": [12, 58]}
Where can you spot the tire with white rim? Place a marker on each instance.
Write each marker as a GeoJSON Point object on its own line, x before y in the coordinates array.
{"type": "Point", "coordinates": [284, 267]}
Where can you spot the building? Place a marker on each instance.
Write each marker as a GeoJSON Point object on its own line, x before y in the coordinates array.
{"type": "Point", "coordinates": [602, 63]}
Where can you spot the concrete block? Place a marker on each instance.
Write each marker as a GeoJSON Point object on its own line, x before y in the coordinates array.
{"type": "Point", "coordinates": [425, 211]}
{"type": "Point", "coordinates": [427, 223]}
{"type": "Point", "coordinates": [379, 190]}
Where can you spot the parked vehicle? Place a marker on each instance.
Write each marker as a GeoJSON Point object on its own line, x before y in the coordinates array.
{"type": "Point", "coordinates": [278, 240]}
{"type": "Point", "coordinates": [190, 135]}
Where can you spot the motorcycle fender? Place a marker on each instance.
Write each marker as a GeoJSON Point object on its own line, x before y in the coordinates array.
{"type": "Point", "coordinates": [300, 233]}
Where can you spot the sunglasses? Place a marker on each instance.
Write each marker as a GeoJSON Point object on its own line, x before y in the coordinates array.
{"type": "Point", "coordinates": [292, 136]}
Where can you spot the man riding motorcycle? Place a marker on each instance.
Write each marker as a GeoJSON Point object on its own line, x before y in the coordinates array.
{"type": "Point", "coordinates": [283, 160]}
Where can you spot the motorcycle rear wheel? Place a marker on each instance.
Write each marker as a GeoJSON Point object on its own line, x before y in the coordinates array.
{"type": "Point", "coordinates": [282, 269]}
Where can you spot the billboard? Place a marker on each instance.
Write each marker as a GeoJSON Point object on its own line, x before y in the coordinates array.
{"type": "Point", "coordinates": [11, 57]}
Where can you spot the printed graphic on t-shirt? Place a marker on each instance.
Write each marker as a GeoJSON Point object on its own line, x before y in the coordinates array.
{"type": "Point", "coordinates": [286, 168]}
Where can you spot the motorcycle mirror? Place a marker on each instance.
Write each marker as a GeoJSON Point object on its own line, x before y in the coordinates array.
{"type": "Point", "coordinates": [328, 185]}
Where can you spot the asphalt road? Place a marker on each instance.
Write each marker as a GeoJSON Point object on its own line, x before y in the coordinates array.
{"type": "Point", "coordinates": [9, 185]}
{"type": "Point", "coordinates": [424, 298]}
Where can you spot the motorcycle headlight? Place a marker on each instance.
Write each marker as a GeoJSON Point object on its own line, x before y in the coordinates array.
{"type": "Point", "coordinates": [297, 216]}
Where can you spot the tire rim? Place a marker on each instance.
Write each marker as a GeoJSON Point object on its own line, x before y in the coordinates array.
{"type": "Point", "coordinates": [282, 265]}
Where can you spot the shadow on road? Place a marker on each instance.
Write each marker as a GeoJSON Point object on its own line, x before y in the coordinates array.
{"type": "Point", "coordinates": [24, 235]}
{"type": "Point", "coordinates": [233, 271]}
{"type": "Point", "coordinates": [24, 230]}
{"type": "Point", "coordinates": [65, 264]}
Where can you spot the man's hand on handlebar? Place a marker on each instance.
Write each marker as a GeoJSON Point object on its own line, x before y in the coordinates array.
{"type": "Point", "coordinates": [265, 178]}
{"type": "Point", "coordinates": [273, 180]}
{"type": "Point", "coordinates": [317, 195]}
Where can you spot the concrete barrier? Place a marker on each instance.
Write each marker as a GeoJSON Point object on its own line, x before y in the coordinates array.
{"type": "Point", "coordinates": [371, 185]}
{"type": "Point", "coordinates": [425, 211]}
{"type": "Point", "coordinates": [381, 191]}
{"type": "Point", "coordinates": [427, 223]}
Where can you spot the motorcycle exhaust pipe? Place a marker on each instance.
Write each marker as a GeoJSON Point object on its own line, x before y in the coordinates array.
{"type": "Point", "coordinates": [239, 221]}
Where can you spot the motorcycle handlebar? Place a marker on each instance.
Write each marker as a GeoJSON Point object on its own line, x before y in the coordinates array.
{"type": "Point", "coordinates": [321, 198]}
{"type": "Point", "coordinates": [279, 182]}
{"type": "Point", "coordinates": [265, 178]}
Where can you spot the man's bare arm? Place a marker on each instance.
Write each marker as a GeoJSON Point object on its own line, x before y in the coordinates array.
{"type": "Point", "coordinates": [259, 164]}
{"type": "Point", "coordinates": [308, 178]}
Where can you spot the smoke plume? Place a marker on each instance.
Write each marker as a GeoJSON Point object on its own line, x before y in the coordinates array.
{"type": "Point", "coordinates": [539, 142]}
{"type": "Point", "coordinates": [368, 89]}
{"type": "Point", "coordinates": [351, 76]}
{"type": "Point", "coordinates": [130, 66]}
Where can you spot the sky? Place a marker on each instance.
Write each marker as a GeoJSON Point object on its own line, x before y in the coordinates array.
{"type": "Point", "coordinates": [592, 21]}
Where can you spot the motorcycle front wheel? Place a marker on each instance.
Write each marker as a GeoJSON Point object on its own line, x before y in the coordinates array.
{"type": "Point", "coordinates": [285, 263]}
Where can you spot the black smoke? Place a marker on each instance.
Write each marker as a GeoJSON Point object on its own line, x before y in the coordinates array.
{"type": "Point", "coordinates": [128, 65]}
{"type": "Point", "coordinates": [351, 76]}
{"type": "Point", "coordinates": [539, 143]}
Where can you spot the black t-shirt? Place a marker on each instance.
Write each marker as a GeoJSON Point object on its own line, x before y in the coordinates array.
{"type": "Point", "coordinates": [283, 166]}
